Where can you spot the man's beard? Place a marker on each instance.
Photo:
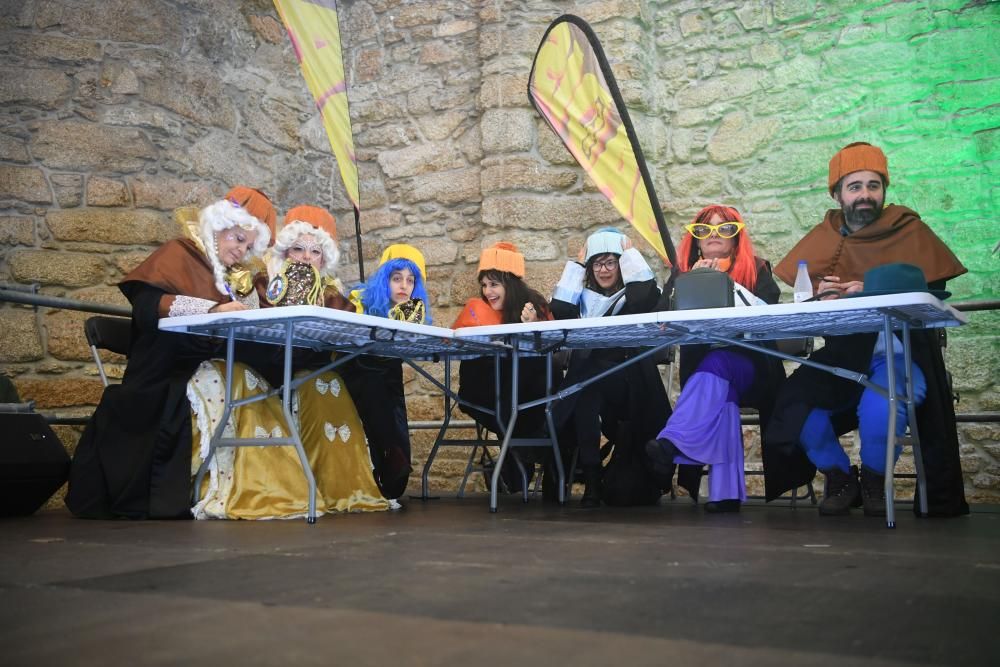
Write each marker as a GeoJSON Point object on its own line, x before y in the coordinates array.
{"type": "Point", "coordinates": [857, 218]}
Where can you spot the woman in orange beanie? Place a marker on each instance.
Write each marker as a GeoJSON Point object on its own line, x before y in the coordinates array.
{"type": "Point", "coordinates": [303, 266]}
{"type": "Point", "coordinates": [504, 298]}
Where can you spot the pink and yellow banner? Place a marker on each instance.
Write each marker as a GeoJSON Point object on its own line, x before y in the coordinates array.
{"type": "Point", "coordinates": [571, 85]}
{"type": "Point", "coordinates": [315, 33]}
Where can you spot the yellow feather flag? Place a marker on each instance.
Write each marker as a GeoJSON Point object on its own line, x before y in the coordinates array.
{"type": "Point", "coordinates": [315, 33]}
{"type": "Point", "coordinates": [573, 88]}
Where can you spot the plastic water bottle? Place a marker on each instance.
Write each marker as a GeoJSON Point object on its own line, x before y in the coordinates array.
{"type": "Point", "coordinates": [803, 285]}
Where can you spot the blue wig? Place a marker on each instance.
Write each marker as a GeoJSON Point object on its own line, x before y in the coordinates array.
{"type": "Point", "coordinates": [376, 297]}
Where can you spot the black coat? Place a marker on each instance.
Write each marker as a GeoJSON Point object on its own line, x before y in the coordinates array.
{"type": "Point", "coordinates": [785, 463]}
{"type": "Point", "coordinates": [134, 457]}
{"type": "Point", "coordinates": [649, 406]}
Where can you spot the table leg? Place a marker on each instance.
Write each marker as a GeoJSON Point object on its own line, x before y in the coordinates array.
{"type": "Point", "coordinates": [890, 450]}
{"type": "Point", "coordinates": [424, 486]}
{"type": "Point", "coordinates": [286, 407]}
{"type": "Point", "coordinates": [911, 413]}
{"type": "Point", "coordinates": [213, 442]}
{"type": "Point", "coordinates": [494, 482]}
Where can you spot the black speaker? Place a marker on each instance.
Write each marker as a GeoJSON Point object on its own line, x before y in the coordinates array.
{"type": "Point", "coordinates": [33, 463]}
{"type": "Point", "coordinates": [703, 288]}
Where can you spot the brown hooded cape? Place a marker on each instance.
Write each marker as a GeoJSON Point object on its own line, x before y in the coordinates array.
{"type": "Point", "coordinates": [898, 235]}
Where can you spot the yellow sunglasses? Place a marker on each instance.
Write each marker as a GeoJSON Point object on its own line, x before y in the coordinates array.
{"type": "Point", "coordinates": [725, 230]}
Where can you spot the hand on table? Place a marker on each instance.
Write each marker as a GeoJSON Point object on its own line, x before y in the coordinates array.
{"type": "Point", "coordinates": [227, 307]}
{"type": "Point", "coordinates": [834, 284]}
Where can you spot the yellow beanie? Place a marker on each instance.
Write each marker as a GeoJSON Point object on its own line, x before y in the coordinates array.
{"type": "Point", "coordinates": [859, 156]}
{"type": "Point", "coordinates": [403, 251]}
{"type": "Point", "coordinates": [502, 256]}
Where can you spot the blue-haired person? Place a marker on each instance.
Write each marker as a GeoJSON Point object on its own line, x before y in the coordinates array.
{"type": "Point", "coordinates": [396, 291]}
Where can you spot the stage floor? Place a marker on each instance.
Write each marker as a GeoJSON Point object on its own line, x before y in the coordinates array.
{"type": "Point", "coordinates": [447, 583]}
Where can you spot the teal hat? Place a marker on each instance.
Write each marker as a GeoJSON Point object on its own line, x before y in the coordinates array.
{"type": "Point", "coordinates": [896, 279]}
{"type": "Point", "coordinates": [607, 240]}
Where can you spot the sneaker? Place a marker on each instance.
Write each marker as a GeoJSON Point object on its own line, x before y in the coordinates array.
{"type": "Point", "coordinates": [842, 492]}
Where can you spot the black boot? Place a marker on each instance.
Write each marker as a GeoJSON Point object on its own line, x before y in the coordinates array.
{"type": "Point", "coordinates": [720, 506]}
{"type": "Point", "coordinates": [872, 492]}
{"type": "Point", "coordinates": [592, 490]}
{"type": "Point", "coordinates": [841, 493]}
{"type": "Point", "coordinates": [661, 453]}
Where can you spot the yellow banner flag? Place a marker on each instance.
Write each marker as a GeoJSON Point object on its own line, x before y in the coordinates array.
{"type": "Point", "coordinates": [571, 85]}
{"type": "Point", "coordinates": [315, 33]}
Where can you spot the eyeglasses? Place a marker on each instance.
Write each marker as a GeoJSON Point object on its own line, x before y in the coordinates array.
{"type": "Point", "coordinates": [725, 230]}
{"type": "Point", "coordinates": [606, 265]}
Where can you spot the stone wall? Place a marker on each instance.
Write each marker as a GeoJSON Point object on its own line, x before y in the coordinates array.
{"type": "Point", "coordinates": [114, 113]}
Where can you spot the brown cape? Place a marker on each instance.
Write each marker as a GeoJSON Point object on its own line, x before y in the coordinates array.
{"type": "Point", "coordinates": [899, 235]}
{"type": "Point", "coordinates": [178, 267]}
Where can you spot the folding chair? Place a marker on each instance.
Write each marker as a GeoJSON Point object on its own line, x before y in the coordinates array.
{"type": "Point", "coordinates": [107, 333]}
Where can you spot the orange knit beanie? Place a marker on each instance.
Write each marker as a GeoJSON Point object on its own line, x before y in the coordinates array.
{"type": "Point", "coordinates": [502, 256]}
{"type": "Point", "coordinates": [859, 156]}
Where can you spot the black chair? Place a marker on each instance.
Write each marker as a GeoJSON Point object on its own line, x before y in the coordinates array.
{"type": "Point", "coordinates": [107, 333]}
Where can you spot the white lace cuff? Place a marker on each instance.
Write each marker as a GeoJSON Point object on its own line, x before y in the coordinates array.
{"type": "Point", "coordinates": [189, 305]}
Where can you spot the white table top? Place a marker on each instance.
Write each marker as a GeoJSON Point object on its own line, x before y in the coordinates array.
{"type": "Point", "coordinates": [324, 328]}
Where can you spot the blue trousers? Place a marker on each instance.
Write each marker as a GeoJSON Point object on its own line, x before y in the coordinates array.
{"type": "Point", "coordinates": [820, 442]}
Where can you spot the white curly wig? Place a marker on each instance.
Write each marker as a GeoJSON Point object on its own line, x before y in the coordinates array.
{"type": "Point", "coordinates": [223, 215]}
{"type": "Point", "coordinates": [287, 237]}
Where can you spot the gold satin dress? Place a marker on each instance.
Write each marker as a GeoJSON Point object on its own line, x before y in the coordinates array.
{"type": "Point", "coordinates": [268, 482]}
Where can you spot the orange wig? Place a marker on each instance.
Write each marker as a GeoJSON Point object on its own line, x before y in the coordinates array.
{"type": "Point", "coordinates": [743, 268]}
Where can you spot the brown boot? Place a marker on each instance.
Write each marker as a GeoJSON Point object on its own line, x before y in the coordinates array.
{"type": "Point", "coordinates": [872, 492]}
{"type": "Point", "coordinates": [841, 493]}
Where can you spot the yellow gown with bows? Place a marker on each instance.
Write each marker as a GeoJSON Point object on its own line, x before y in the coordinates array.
{"type": "Point", "coordinates": [268, 482]}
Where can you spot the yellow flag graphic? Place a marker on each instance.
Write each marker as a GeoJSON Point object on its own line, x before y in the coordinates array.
{"type": "Point", "coordinates": [315, 33]}
{"type": "Point", "coordinates": [571, 85]}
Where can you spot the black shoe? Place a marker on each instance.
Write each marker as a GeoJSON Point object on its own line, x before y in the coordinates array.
{"type": "Point", "coordinates": [842, 492]}
{"type": "Point", "coordinates": [720, 506]}
{"type": "Point", "coordinates": [872, 492]}
{"type": "Point", "coordinates": [661, 453]}
{"type": "Point", "coordinates": [592, 491]}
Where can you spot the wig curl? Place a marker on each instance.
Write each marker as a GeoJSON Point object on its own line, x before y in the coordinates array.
{"type": "Point", "coordinates": [290, 233]}
{"type": "Point", "coordinates": [223, 215]}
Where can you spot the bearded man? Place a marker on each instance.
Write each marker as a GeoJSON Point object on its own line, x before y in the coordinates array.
{"type": "Point", "coordinates": [814, 407]}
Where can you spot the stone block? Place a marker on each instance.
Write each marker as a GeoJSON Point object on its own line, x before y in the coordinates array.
{"type": "Point", "coordinates": [456, 27]}
{"type": "Point", "coordinates": [21, 335]}
{"type": "Point", "coordinates": [689, 181]}
{"type": "Point", "coordinates": [738, 137]}
{"type": "Point", "coordinates": [380, 219]}
{"type": "Point", "coordinates": [13, 149]}
{"type": "Point", "coordinates": [729, 87]}
{"type": "Point", "coordinates": [106, 192]}
{"type": "Point", "coordinates": [17, 230]}
{"type": "Point", "coordinates": [435, 53]}
{"type": "Point", "coordinates": [24, 183]}
{"type": "Point", "coordinates": [166, 193]}
{"type": "Point", "coordinates": [36, 87]}
{"type": "Point", "coordinates": [507, 130]}
{"type": "Point", "coordinates": [419, 230]}
{"type": "Point", "coordinates": [972, 370]}
{"type": "Point", "coordinates": [437, 251]}
{"type": "Point", "coordinates": [68, 189]}
{"type": "Point", "coordinates": [59, 392]}
{"type": "Point", "coordinates": [131, 227]}
{"type": "Point", "coordinates": [444, 187]}
{"type": "Point", "coordinates": [694, 23]}
{"type": "Point", "coordinates": [368, 64]}
{"type": "Point", "coordinates": [54, 267]}
{"type": "Point", "coordinates": [788, 11]}
{"type": "Point", "coordinates": [91, 147]}
{"type": "Point", "coordinates": [439, 126]}
{"type": "Point", "coordinates": [548, 213]}
{"type": "Point", "coordinates": [419, 159]}
{"type": "Point", "coordinates": [525, 174]}
{"type": "Point", "coordinates": [504, 90]}
{"type": "Point", "coordinates": [52, 47]}
{"type": "Point", "coordinates": [195, 92]}
{"type": "Point", "coordinates": [153, 22]}
{"type": "Point", "coordinates": [267, 28]}
{"type": "Point", "coordinates": [752, 15]}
